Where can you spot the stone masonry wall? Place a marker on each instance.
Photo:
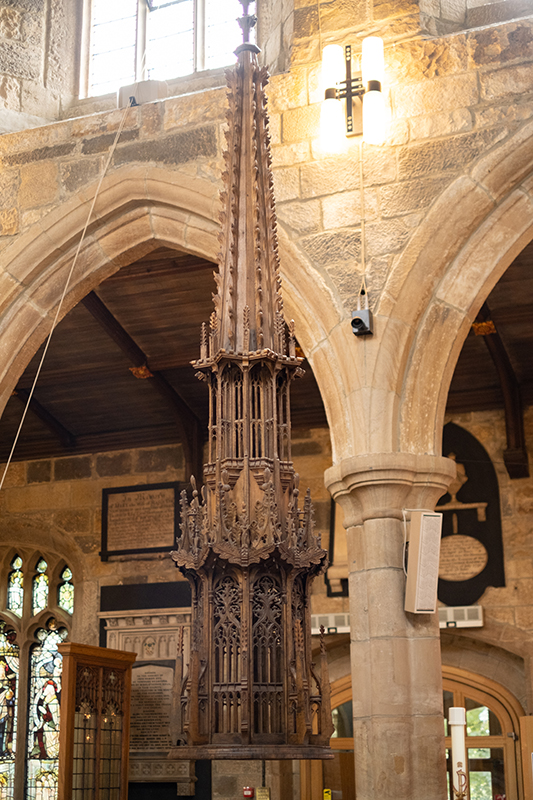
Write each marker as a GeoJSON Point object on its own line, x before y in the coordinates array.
{"type": "Point", "coordinates": [57, 504]}
{"type": "Point", "coordinates": [507, 610]}
{"type": "Point", "coordinates": [39, 50]}
{"type": "Point", "coordinates": [452, 100]}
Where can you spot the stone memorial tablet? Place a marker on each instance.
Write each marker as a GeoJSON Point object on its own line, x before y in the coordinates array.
{"type": "Point", "coordinates": [151, 698]}
{"type": "Point", "coordinates": [139, 519]}
{"type": "Point", "coordinates": [461, 558]}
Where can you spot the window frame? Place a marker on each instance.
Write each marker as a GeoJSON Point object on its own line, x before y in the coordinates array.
{"type": "Point", "coordinates": [141, 71]}
{"type": "Point", "coordinates": [25, 628]}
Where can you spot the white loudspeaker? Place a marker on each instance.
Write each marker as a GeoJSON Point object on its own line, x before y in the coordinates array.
{"type": "Point", "coordinates": [423, 562]}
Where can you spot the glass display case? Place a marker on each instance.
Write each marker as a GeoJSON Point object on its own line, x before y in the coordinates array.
{"type": "Point", "coordinates": [95, 719]}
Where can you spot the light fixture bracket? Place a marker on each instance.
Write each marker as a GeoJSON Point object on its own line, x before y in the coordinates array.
{"type": "Point", "coordinates": [351, 90]}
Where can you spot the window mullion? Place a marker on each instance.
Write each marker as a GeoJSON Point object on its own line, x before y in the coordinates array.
{"type": "Point", "coordinates": [140, 43]}
{"type": "Point", "coordinates": [22, 721]}
{"type": "Point", "coordinates": [199, 35]}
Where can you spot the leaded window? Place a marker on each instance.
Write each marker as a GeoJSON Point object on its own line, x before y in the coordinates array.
{"type": "Point", "coordinates": [9, 674]}
{"type": "Point", "coordinates": [66, 591]}
{"type": "Point", "coordinates": [40, 588]}
{"type": "Point", "coordinates": [158, 39]}
{"type": "Point", "coordinates": [15, 587]}
{"type": "Point", "coordinates": [30, 687]}
{"type": "Point", "coordinates": [43, 716]}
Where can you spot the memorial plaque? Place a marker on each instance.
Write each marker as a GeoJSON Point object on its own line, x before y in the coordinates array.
{"type": "Point", "coordinates": [151, 699]}
{"type": "Point", "coordinates": [461, 558]}
{"type": "Point", "coordinates": [139, 519]}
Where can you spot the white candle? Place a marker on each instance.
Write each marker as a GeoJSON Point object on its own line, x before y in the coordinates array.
{"type": "Point", "coordinates": [457, 722]}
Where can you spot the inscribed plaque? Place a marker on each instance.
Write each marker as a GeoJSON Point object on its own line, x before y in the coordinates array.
{"type": "Point", "coordinates": [139, 518]}
{"type": "Point", "coordinates": [151, 698]}
{"type": "Point", "coordinates": [461, 558]}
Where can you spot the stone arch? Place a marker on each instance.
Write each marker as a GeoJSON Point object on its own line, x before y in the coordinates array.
{"type": "Point", "coordinates": [468, 239]}
{"type": "Point", "coordinates": [145, 207]}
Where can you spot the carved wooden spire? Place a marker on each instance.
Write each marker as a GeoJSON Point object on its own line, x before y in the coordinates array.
{"type": "Point", "coordinates": [248, 549]}
{"type": "Point", "coordinates": [248, 302]}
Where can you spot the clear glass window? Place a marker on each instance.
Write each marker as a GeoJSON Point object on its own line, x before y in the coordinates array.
{"type": "Point", "coordinates": [159, 40]}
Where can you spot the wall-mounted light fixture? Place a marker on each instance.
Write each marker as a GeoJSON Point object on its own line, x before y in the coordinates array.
{"type": "Point", "coordinates": [365, 104]}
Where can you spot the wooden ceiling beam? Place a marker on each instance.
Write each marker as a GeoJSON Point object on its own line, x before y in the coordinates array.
{"type": "Point", "coordinates": [515, 456]}
{"type": "Point", "coordinates": [190, 428]}
{"type": "Point", "coordinates": [64, 436]}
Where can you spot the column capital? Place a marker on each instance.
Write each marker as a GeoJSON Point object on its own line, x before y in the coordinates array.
{"type": "Point", "coordinates": [380, 485]}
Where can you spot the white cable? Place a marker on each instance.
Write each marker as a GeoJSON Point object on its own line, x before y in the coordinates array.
{"type": "Point", "coordinates": [63, 295]}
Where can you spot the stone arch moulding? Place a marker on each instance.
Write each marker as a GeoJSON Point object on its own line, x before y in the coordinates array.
{"type": "Point", "coordinates": [138, 209]}
{"type": "Point", "coordinates": [468, 239]}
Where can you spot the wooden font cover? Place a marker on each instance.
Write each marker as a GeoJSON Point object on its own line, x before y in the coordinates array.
{"type": "Point", "coordinates": [249, 551]}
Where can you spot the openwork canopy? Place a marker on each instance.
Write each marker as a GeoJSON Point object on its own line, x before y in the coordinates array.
{"type": "Point", "coordinates": [248, 549]}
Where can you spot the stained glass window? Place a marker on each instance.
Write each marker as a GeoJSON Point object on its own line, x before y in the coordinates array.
{"type": "Point", "coordinates": [66, 591]}
{"type": "Point", "coordinates": [9, 673]}
{"type": "Point", "coordinates": [43, 714]}
{"type": "Point", "coordinates": [40, 588]}
{"type": "Point", "coordinates": [15, 587]}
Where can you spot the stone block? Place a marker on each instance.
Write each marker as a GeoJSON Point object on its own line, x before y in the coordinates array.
{"type": "Point", "coordinates": [438, 125]}
{"type": "Point", "coordinates": [408, 196]}
{"type": "Point", "coordinates": [343, 210]}
{"type": "Point", "coordinates": [74, 521]}
{"type": "Point", "coordinates": [300, 123]}
{"type": "Point", "coordinates": [75, 174]}
{"type": "Point", "coordinates": [489, 116]}
{"type": "Point", "coordinates": [10, 23]}
{"type": "Point", "coordinates": [492, 13]}
{"type": "Point", "coordinates": [305, 22]}
{"type": "Point", "coordinates": [454, 10]}
{"type": "Point", "coordinates": [9, 222]}
{"type": "Point", "coordinates": [286, 184]}
{"type": "Point", "coordinates": [289, 90]}
{"type": "Point", "coordinates": [327, 248]}
{"type": "Point", "coordinates": [327, 176]}
{"type": "Point", "coordinates": [15, 475]}
{"type": "Point", "coordinates": [175, 149]}
{"type": "Point", "coordinates": [9, 92]}
{"type": "Point", "coordinates": [114, 464]}
{"type": "Point", "coordinates": [435, 96]}
{"type": "Point", "coordinates": [341, 14]}
{"type": "Point", "coordinates": [303, 217]}
{"type": "Point", "coordinates": [448, 154]}
{"type": "Point", "coordinates": [387, 236]}
{"type": "Point", "coordinates": [499, 45]}
{"type": "Point", "coordinates": [379, 165]}
{"type": "Point", "coordinates": [103, 143]}
{"type": "Point", "coordinates": [38, 184]}
{"type": "Point", "coordinates": [38, 497]}
{"type": "Point", "coordinates": [159, 460]}
{"type": "Point", "coordinates": [426, 59]}
{"type": "Point", "coordinates": [39, 471]}
{"type": "Point", "coordinates": [20, 61]}
{"type": "Point", "coordinates": [384, 9]}
{"type": "Point", "coordinates": [500, 83]}
{"type": "Point", "coordinates": [151, 119]}
{"type": "Point", "coordinates": [47, 153]}
{"type": "Point", "coordinates": [74, 468]}
{"type": "Point", "coordinates": [186, 110]}
{"type": "Point", "coordinates": [289, 154]}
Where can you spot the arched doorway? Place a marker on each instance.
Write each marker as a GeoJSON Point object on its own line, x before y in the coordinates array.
{"type": "Point", "coordinates": [493, 722]}
{"type": "Point", "coordinates": [492, 726]}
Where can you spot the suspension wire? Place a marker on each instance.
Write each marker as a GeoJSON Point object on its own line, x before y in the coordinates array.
{"type": "Point", "coordinates": [362, 290]}
{"type": "Point", "coordinates": [67, 283]}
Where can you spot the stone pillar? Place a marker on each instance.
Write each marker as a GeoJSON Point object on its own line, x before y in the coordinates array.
{"type": "Point", "coordinates": [396, 665]}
